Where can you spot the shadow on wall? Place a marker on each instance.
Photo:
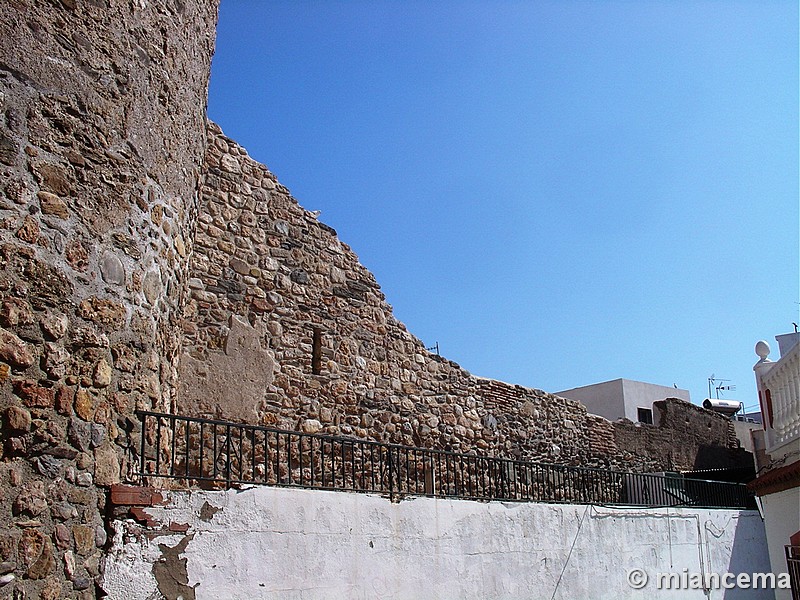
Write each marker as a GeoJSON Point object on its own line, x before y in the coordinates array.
{"type": "Point", "coordinates": [736, 463]}
{"type": "Point", "coordinates": [742, 557]}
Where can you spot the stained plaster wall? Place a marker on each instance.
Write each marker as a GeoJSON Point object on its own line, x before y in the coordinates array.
{"type": "Point", "coordinates": [283, 543]}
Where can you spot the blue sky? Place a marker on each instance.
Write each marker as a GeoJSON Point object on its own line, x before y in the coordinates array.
{"type": "Point", "coordinates": [558, 193]}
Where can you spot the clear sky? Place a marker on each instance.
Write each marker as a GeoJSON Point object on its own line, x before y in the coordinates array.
{"type": "Point", "coordinates": [558, 193]}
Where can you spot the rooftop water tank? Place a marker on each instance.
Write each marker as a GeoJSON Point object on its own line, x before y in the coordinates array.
{"type": "Point", "coordinates": [724, 407]}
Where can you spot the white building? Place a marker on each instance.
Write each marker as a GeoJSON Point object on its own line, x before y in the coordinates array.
{"type": "Point", "coordinates": [623, 398]}
{"type": "Point", "coordinates": [778, 483]}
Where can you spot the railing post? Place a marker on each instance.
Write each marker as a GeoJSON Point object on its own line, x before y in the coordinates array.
{"type": "Point", "coordinates": [228, 455]}
{"type": "Point", "coordinates": [391, 472]}
{"type": "Point", "coordinates": [793, 567]}
{"type": "Point", "coordinates": [143, 420]}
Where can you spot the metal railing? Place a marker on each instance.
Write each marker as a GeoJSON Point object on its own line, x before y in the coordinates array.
{"type": "Point", "coordinates": [793, 565]}
{"type": "Point", "coordinates": [214, 452]}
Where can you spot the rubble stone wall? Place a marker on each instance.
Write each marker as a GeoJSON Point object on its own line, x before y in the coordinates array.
{"type": "Point", "coordinates": [688, 437]}
{"type": "Point", "coordinates": [335, 360]}
{"type": "Point", "coordinates": [121, 288]}
{"type": "Point", "coordinates": [339, 361]}
{"type": "Point", "coordinates": [102, 131]}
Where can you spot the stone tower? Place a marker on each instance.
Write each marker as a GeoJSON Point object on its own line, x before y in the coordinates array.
{"type": "Point", "coordinates": [102, 135]}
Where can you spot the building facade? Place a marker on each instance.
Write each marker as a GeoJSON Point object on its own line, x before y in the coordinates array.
{"type": "Point", "coordinates": [778, 482]}
{"type": "Point", "coordinates": [624, 399]}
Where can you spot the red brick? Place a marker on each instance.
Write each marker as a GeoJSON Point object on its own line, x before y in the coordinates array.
{"type": "Point", "coordinates": [133, 495]}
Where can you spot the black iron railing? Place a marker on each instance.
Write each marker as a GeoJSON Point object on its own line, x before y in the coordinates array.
{"type": "Point", "coordinates": [793, 565]}
{"type": "Point", "coordinates": [217, 452]}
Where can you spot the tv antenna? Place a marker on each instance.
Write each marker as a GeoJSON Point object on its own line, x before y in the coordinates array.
{"type": "Point", "coordinates": [721, 387]}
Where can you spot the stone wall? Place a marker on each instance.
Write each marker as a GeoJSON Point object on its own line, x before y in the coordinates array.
{"type": "Point", "coordinates": [688, 438]}
{"type": "Point", "coordinates": [285, 327]}
{"type": "Point", "coordinates": [121, 289]}
{"type": "Point", "coordinates": [336, 360]}
{"type": "Point", "coordinates": [102, 130]}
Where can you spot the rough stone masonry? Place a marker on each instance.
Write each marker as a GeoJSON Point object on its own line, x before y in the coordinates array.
{"type": "Point", "coordinates": [102, 135]}
{"type": "Point", "coordinates": [148, 263]}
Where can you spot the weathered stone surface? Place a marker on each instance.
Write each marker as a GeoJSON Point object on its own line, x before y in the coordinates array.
{"type": "Point", "coordinates": [36, 553]}
{"type": "Point", "coordinates": [63, 400]}
{"type": "Point", "coordinates": [33, 394]}
{"type": "Point", "coordinates": [48, 466]}
{"type": "Point", "coordinates": [69, 564]}
{"type": "Point", "coordinates": [53, 178]}
{"type": "Point", "coordinates": [230, 382]}
{"type": "Point", "coordinates": [15, 311]}
{"type": "Point", "coordinates": [62, 537]}
{"type": "Point", "coordinates": [84, 460]}
{"type": "Point", "coordinates": [80, 583]}
{"type": "Point", "coordinates": [77, 255]}
{"type": "Point", "coordinates": [51, 590]}
{"type": "Point", "coordinates": [96, 129]}
{"type": "Point", "coordinates": [341, 358]}
{"type": "Point", "coordinates": [102, 373]}
{"type": "Point", "coordinates": [151, 286]}
{"type": "Point", "coordinates": [84, 405]}
{"type": "Point", "coordinates": [14, 351]}
{"type": "Point", "coordinates": [55, 325]}
{"type": "Point", "coordinates": [102, 311]}
{"type": "Point", "coordinates": [111, 269]}
{"type": "Point", "coordinates": [84, 539]}
{"type": "Point", "coordinates": [56, 359]}
{"type": "Point", "coordinates": [240, 266]}
{"type": "Point", "coordinates": [98, 436]}
{"type": "Point", "coordinates": [53, 205]}
{"type": "Point", "coordinates": [8, 149]}
{"type": "Point", "coordinates": [311, 426]}
{"type": "Point", "coordinates": [48, 284]}
{"type": "Point", "coordinates": [64, 511]}
{"type": "Point", "coordinates": [100, 536]}
{"type": "Point", "coordinates": [17, 419]}
{"type": "Point", "coordinates": [230, 164]}
{"type": "Point", "coordinates": [106, 466]}
{"type": "Point", "coordinates": [32, 499]}
{"type": "Point", "coordinates": [29, 232]}
{"type": "Point", "coordinates": [62, 452]}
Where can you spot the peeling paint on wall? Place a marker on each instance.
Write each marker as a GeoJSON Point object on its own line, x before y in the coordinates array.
{"type": "Point", "coordinates": [170, 571]}
{"type": "Point", "coordinates": [275, 543]}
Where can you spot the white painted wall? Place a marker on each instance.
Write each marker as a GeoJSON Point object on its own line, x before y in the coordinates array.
{"type": "Point", "coordinates": [782, 519]}
{"type": "Point", "coordinates": [622, 397]}
{"type": "Point", "coordinates": [604, 399]}
{"type": "Point", "coordinates": [640, 394]}
{"type": "Point", "coordinates": [297, 544]}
